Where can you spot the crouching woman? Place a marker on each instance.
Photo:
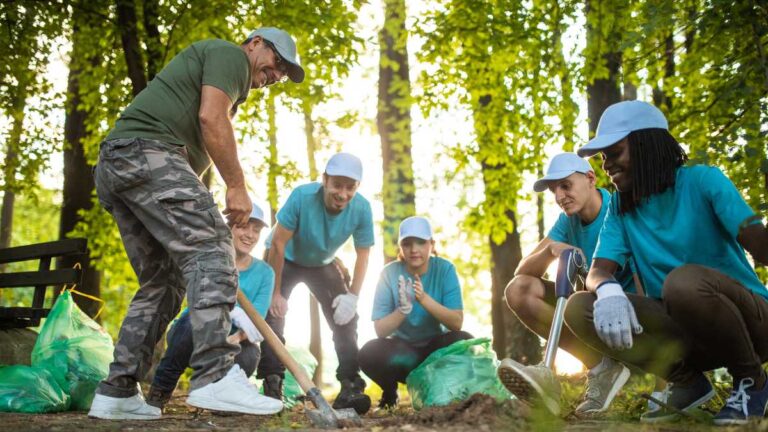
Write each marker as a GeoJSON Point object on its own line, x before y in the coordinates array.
{"type": "Point", "coordinates": [417, 310]}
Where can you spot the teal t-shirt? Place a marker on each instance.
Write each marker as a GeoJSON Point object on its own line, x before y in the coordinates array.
{"type": "Point", "coordinates": [318, 234]}
{"type": "Point", "coordinates": [168, 108]}
{"type": "Point", "coordinates": [695, 222]}
{"type": "Point", "coordinates": [257, 282]}
{"type": "Point", "coordinates": [570, 230]}
{"type": "Point", "coordinates": [441, 283]}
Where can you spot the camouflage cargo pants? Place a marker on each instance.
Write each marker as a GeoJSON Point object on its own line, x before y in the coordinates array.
{"type": "Point", "coordinates": [177, 242]}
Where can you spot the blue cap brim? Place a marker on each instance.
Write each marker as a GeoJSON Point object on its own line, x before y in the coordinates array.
{"type": "Point", "coordinates": [603, 141]}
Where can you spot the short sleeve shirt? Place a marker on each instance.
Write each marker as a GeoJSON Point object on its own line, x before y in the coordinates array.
{"type": "Point", "coordinates": [570, 230]}
{"type": "Point", "coordinates": [318, 234]}
{"type": "Point", "coordinates": [168, 108]}
{"type": "Point", "coordinates": [440, 282]}
{"type": "Point", "coordinates": [695, 222]}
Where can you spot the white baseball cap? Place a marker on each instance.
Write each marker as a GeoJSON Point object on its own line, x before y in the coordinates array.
{"type": "Point", "coordinates": [415, 226]}
{"type": "Point", "coordinates": [346, 165]}
{"type": "Point", "coordinates": [619, 120]}
{"type": "Point", "coordinates": [285, 46]}
{"type": "Point", "coordinates": [258, 214]}
{"type": "Point", "coordinates": [560, 167]}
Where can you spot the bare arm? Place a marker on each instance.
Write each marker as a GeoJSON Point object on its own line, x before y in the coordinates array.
{"type": "Point", "coordinates": [602, 270]}
{"type": "Point", "coordinates": [361, 267]}
{"type": "Point", "coordinates": [387, 325]}
{"type": "Point", "coordinates": [754, 238]}
{"type": "Point", "coordinates": [219, 139]}
{"type": "Point", "coordinates": [276, 260]}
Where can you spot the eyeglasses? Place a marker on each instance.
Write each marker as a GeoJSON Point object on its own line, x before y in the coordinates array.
{"type": "Point", "coordinates": [280, 63]}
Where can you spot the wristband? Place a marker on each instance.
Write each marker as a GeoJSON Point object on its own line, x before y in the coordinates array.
{"type": "Point", "coordinates": [609, 288]}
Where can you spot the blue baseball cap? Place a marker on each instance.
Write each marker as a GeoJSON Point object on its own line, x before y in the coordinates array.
{"type": "Point", "coordinates": [560, 167]}
{"type": "Point", "coordinates": [619, 120]}
{"type": "Point", "coordinates": [285, 46]}
{"type": "Point", "coordinates": [415, 226]}
{"type": "Point", "coordinates": [258, 214]}
{"type": "Point", "coordinates": [346, 165]}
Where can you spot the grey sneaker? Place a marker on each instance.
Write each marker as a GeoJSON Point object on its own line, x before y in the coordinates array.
{"type": "Point", "coordinates": [531, 383]}
{"type": "Point", "coordinates": [602, 387]}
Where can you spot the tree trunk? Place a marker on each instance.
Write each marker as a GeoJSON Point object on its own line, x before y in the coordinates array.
{"type": "Point", "coordinates": [272, 172]}
{"type": "Point", "coordinates": [153, 41]}
{"type": "Point", "coordinates": [315, 338]}
{"type": "Point", "coordinates": [11, 153]}
{"type": "Point", "coordinates": [510, 336]}
{"type": "Point", "coordinates": [394, 125]}
{"type": "Point", "coordinates": [78, 181]}
{"type": "Point", "coordinates": [602, 92]}
{"type": "Point", "coordinates": [127, 24]}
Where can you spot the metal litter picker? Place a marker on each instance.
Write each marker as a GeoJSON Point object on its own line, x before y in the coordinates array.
{"type": "Point", "coordinates": [571, 267]}
{"type": "Point", "coordinates": [538, 382]}
{"type": "Point", "coordinates": [323, 416]}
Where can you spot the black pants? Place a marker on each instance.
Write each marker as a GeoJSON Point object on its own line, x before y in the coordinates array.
{"type": "Point", "coordinates": [325, 283]}
{"type": "Point", "coordinates": [388, 361]}
{"type": "Point", "coordinates": [179, 351]}
{"type": "Point", "coordinates": [706, 320]}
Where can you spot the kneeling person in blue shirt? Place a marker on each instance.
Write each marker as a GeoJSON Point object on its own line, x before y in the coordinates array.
{"type": "Point", "coordinates": [686, 228]}
{"type": "Point", "coordinates": [257, 281]}
{"type": "Point", "coordinates": [315, 221]}
{"type": "Point", "coordinates": [571, 180]}
{"type": "Point", "coordinates": [417, 310]}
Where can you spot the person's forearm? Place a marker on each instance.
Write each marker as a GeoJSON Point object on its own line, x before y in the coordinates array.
{"type": "Point", "coordinates": [535, 264]}
{"type": "Point", "coordinates": [361, 267]}
{"type": "Point", "coordinates": [754, 238]}
{"type": "Point", "coordinates": [219, 138]}
{"type": "Point", "coordinates": [596, 277]}
{"type": "Point", "coordinates": [387, 325]}
{"type": "Point", "coordinates": [276, 260]}
{"type": "Point", "coordinates": [453, 319]}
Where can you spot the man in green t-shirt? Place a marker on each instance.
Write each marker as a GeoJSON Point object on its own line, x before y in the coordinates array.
{"type": "Point", "coordinates": [176, 239]}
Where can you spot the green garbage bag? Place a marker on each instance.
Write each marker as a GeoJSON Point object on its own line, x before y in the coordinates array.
{"type": "Point", "coordinates": [75, 350]}
{"type": "Point", "coordinates": [454, 373]}
{"type": "Point", "coordinates": [291, 388]}
{"type": "Point", "coordinates": [29, 389]}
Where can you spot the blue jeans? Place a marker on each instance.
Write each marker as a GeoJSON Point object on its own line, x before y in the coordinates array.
{"type": "Point", "coordinates": [179, 351]}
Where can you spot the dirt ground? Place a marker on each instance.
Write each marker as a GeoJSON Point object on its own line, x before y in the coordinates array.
{"type": "Point", "coordinates": [479, 413]}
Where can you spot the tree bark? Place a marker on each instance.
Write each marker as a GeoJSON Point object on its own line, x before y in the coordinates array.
{"type": "Point", "coordinates": [11, 154]}
{"type": "Point", "coordinates": [272, 172]}
{"type": "Point", "coordinates": [315, 337]}
{"type": "Point", "coordinates": [602, 92]}
{"type": "Point", "coordinates": [153, 42]}
{"type": "Point", "coordinates": [510, 336]}
{"type": "Point", "coordinates": [394, 125]}
{"type": "Point", "coordinates": [127, 24]}
{"type": "Point", "coordinates": [78, 181]}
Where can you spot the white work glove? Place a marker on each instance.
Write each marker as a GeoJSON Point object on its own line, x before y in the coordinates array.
{"type": "Point", "coordinates": [404, 290]}
{"type": "Point", "coordinates": [345, 307]}
{"type": "Point", "coordinates": [614, 317]}
{"type": "Point", "coordinates": [241, 320]}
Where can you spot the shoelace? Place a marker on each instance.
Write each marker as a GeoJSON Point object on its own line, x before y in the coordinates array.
{"type": "Point", "coordinates": [243, 380]}
{"type": "Point", "coordinates": [739, 398]}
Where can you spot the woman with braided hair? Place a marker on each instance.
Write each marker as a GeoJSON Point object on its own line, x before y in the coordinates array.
{"type": "Point", "coordinates": [686, 228]}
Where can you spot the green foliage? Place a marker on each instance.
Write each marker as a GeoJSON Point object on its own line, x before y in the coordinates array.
{"type": "Point", "coordinates": [28, 30]}
{"type": "Point", "coordinates": [504, 61]}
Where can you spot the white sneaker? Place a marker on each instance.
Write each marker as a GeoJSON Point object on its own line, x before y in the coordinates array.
{"type": "Point", "coordinates": [233, 393]}
{"type": "Point", "coordinates": [131, 408]}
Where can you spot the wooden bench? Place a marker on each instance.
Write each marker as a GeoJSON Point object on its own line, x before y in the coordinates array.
{"type": "Point", "coordinates": [40, 280]}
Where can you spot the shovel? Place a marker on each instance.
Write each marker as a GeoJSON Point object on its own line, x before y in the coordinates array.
{"type": "Point", "coordinates": [323, 416]}
{"type": "Point", "coordinates": [572, 265]}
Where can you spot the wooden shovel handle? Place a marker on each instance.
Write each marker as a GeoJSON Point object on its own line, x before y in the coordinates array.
{"type": "Point", "coordinates": [275, 343]}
